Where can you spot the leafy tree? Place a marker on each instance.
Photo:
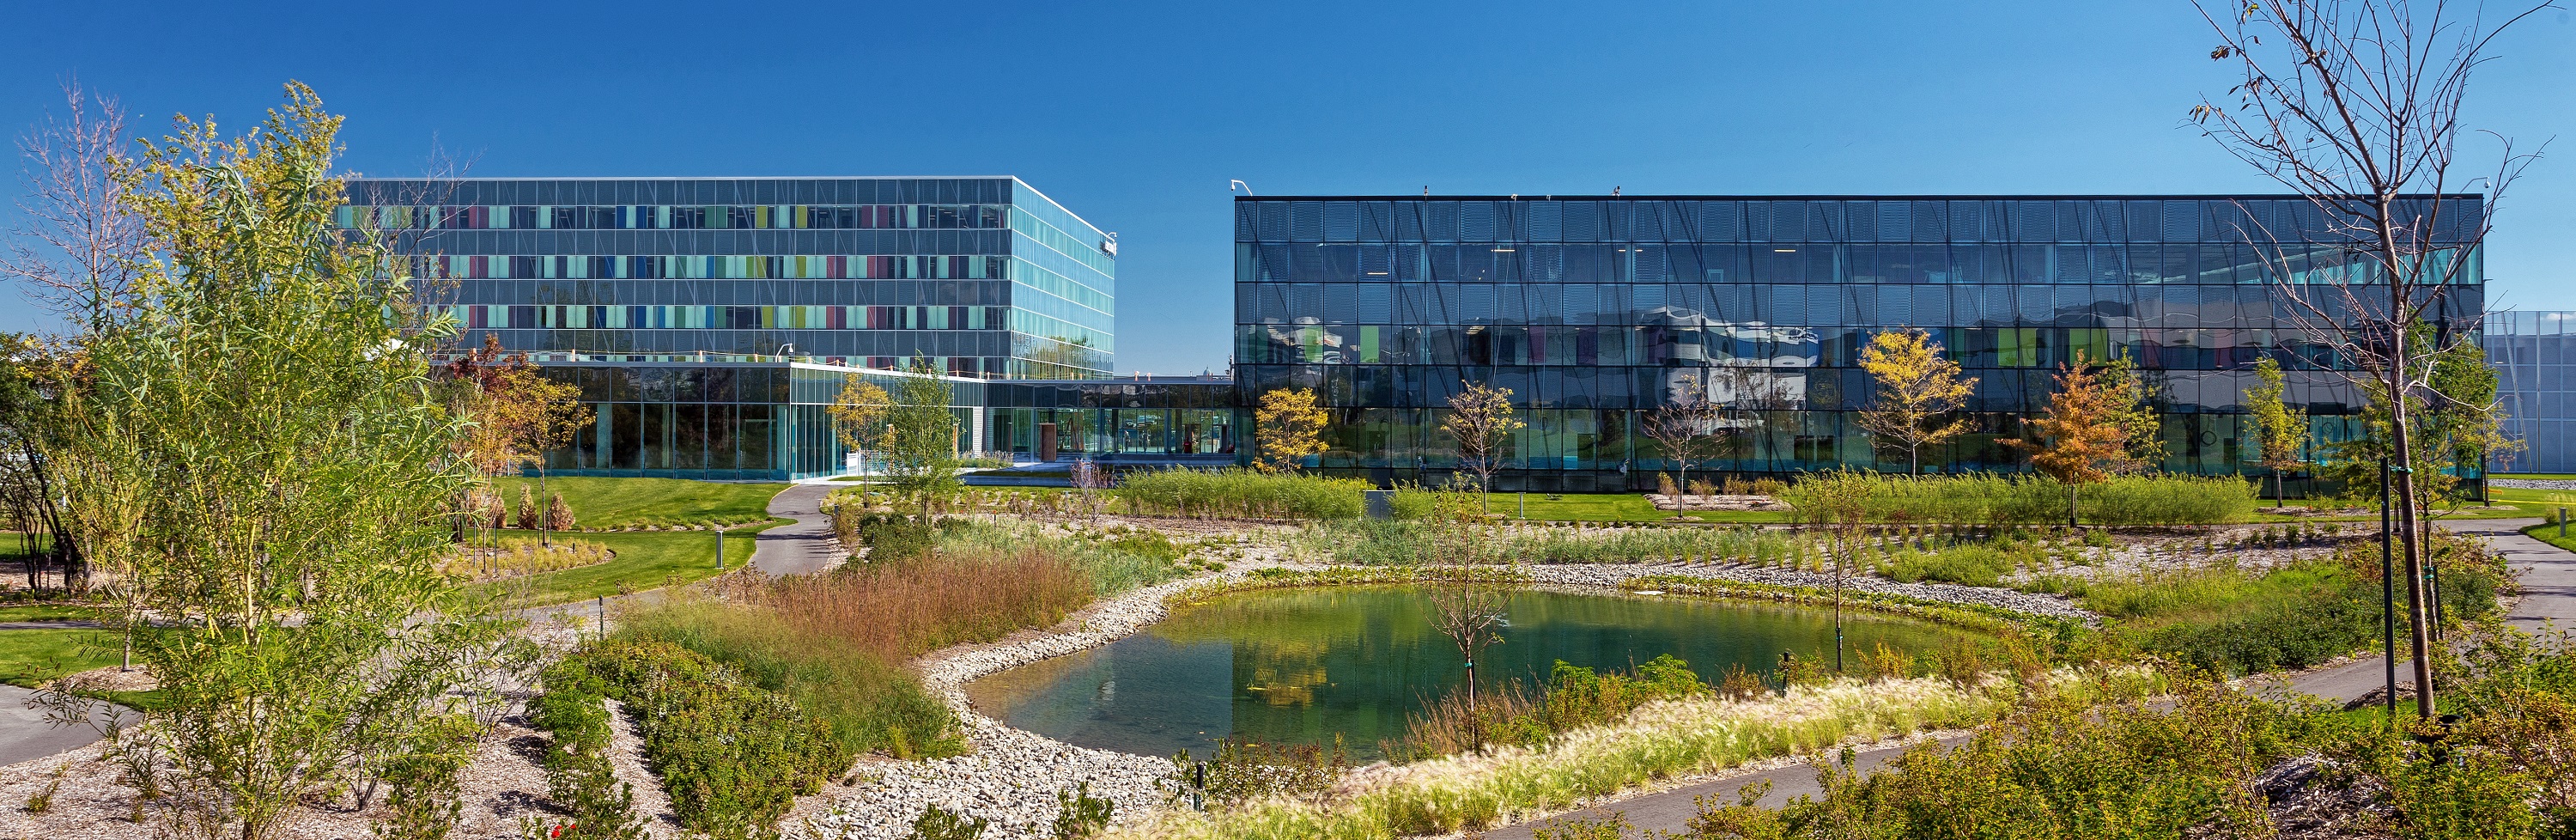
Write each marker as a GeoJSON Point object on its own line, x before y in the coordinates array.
{"type": "Point", "coordinates": [2079, 439]}
{"type": "Point", "coordinates": [1916, 386]}
{"type": "Point", "coordinates": [2133, 409]}
{"type": "Point", "coordinates": [921, 441]}
{"type": "Point", "coordinates": [264, 469]}
{"type": "Point", "coordinates": [859, 415]}
{"type": "Point", "coordinates": [517, 414]}
{"type": "Point", "coordinates": [31, 374]}
{"type": "Point", "coordinates": [1287, 428]}
{"type": "Point", "coordinates": [1480, 424]}
{"type": "Point", "coordinates": [2282, 431]}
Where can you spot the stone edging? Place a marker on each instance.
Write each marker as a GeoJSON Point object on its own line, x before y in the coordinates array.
{"type": "Point", "coordinates": [1011, 775]}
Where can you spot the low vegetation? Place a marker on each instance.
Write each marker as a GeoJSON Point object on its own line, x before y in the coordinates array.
{"type": "Point", "coordinates": [621, 503]}
{"type": "Point", "coordinates": [1238, 493]}
{"type": "Point", "coordinates": [732, 755]}
{"type": "Point", "coordinates": [2180, 765]}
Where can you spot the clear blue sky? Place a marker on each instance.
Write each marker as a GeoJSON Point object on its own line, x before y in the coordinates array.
{"type": "Point", "coordinates": [1135, 115]}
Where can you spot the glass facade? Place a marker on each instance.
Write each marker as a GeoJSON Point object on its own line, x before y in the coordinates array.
{"type": "Point", "coordinates": [739, 421]}
{"type": "Point", "coordinates": [2534, 356]}
{"type": "Point", "coordinates": [1594, 310]}
{"type": "Point", "coordinates": [1139, 415]}
{"type": "Point", "coordinates": [984, 277]}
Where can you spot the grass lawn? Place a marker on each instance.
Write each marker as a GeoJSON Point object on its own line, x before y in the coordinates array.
{"type": "Point", "coordinates": [47, 612]}
{"type": "Point", "coordinates": [644, 561]}
{"type": "Point", "coordinates": [2548, 533]}
{"type": "Point", "coordinates": [2537, 476]}
{"type": "Point", "coordinates": [611, 502]}
{"type": "Point", "coordinates": [30, 657]}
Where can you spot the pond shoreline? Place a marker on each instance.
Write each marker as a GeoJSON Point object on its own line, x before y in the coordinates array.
{"type": "Point", "coordinates": [1007, 777]}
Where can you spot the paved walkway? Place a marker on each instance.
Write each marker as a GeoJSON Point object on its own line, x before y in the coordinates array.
{"type": "Point", "coordinates": [2547, 574]}
{"type": "Point", "coordinates": [804, 547]}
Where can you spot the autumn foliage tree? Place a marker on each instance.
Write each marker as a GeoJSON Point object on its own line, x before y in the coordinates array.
{"type": "Point", "coordinates": [1685, 430]}
{"type": "Point", "coordinates": [1916, 387]}
{"type": "Point", "coordinates": [517, 413]}
{"type": "Point", "coordinates": [859, 415]}
{"type": "Point", "coordinates": [2077, 439]}
{"type": "Point", "coordinates": [1287, 429]}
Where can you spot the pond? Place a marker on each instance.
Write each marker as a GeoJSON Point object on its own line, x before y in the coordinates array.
{"type": "Point", "coordinates": [1301, 665]}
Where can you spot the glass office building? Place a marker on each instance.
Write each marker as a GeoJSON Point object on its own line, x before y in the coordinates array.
{"type": "Point", "coordinates": [709, 321]}
{"type": "Point", "coordinates": [983, 277]}
{"type": "Point", "coordinates": [2534, 357]}
{"type": "Point", "coordinates": [1594, 310]}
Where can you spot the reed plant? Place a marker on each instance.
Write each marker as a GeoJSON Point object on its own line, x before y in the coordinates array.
{"type": "Point", "coordinates": [1382, 542]}
{"type": "Point", "coordinates": [1698, 734]}
{"type": "Point", "coordinates": [1235, 493]}
{"type": "Point", "coordinates": [1996, 500]}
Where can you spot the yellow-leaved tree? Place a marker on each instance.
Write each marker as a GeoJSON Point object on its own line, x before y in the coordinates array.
{"type": "Point", "coordinates": [859, 415]}
{"type": "Point", "coordinates": [2281, 430]}
{"type": "Point", "coordinates": [1916, 386]}
{"type": "Point", "coordinates": [1480, 421]}
{"type": "Point", "coordinates": [1287, 428]}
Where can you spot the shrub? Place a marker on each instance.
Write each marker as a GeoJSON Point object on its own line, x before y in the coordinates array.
{"type": "Point", "coordinates": [1241, 493]}
{"type": "Point", "coordinates": [558, 514]}
{"type": "Point", "coordinates": [1994, 500]}
{"type": "Point", "coordinates": [937, 823]}
{"type": "Point", "coordinates": [1972, 564]}
{"type": "Point", "coordinates": [579, 777]}
{"type": "Point", "coordinates": [1243, 770]}
{"type": "Point", "coordinates": [733, 756]}
{"type": "Point", "coordinates": [1413, 501]}
{"type": "Point", "coordinates": [1078, 814]}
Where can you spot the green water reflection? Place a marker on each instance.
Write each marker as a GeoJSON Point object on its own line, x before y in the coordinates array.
{"type": "Point", "coordinates": [1298, 666]}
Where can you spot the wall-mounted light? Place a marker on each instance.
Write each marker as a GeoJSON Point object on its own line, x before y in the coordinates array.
{"type": "Point", "coordinates": [1784, 250]}
{"type": "Point", "coordinates": [1503, 250]}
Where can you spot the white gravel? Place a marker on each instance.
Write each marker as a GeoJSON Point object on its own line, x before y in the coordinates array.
{"type": "Point", "coordinates": [1013, 775]}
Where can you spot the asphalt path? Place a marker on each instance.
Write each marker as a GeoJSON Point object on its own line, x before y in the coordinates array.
{"type": "Point", "coordinates": [2546, 572]}
{"type": "Point", "coordinates": [803, 547]}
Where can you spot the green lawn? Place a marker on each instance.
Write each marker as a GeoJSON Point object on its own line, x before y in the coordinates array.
{"type": "Point", "coordinates": [2548, 533]}
{"type": "Point", "coordinates": [644, 561]}
{"type": "Point", "coordinates": [47, 612]}
{"type": "Point", "coordinates": [2538, 476]}
{"type": "Point", "coordinates": [30, 657]}
{"type": "Point", "coordinates": [612, 502]}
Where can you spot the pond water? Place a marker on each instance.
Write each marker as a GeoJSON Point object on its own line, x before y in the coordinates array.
{"type": "Point", "coordinates": [1300, 665]}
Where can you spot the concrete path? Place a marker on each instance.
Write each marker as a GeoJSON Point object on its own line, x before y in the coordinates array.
{"type": "Point", "coordinates": [2547, 574]}
{"type": "Point", "coordinates": [804, 547]}
{"type": "Point", "coordinates": [25, 736]}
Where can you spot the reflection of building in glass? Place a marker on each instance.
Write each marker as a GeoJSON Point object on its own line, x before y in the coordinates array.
{"type": "Point", "coordinates": [2534, 356]}
{"type": "Point", "coordinates": [1593, 310]}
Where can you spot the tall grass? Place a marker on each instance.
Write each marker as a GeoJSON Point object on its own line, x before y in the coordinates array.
{"type": "Point", "coordinates": [834, 642]}
{"type": "Point", "coordinates": [1235, 493]}
{"type": "Point", "coordinates": [1396, 542]}
{"type": "Point", "coordinates": [1662, 739]}
{"type": "Point", "coordinates": [1996, 500]}
{"type": "Point", "coordinates": [1114, 560]}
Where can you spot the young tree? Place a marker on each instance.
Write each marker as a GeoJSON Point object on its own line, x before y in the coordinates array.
{"type": "Point", "coordinates": [262, 463]}
{"type": "Point", "coordinates": [1287, 429]}
{"type": "Point", "coordinates": [1470, 587]}
{"type": "Point", "coordinates": [1685, 430]}
{"type": "Point", "coordinates": [2282, 431]}
{"type": "Point", "coordinates": [2079, 441]}
{"type": "Point", "coordinates": [2133, 410]}
{"type": "Point", "coordinates": [1480, 423]}
{"type": "Point", "coordinates": [1916, 387]}
{"type": "Point", "coordinates": [518, 414]}
{"type": "Point", "coordinates": [858, 415]}
{"type": "Point", "coordinates": [78, 245]}
{"type": "Point", "coordinates": [2464, 423]}
{"type": "Point", "coordinates": [30, 435]}
{"type": "Point", "coordinates": [921, 442]}
{"type": "Point", "coordinates": [2355, 105]}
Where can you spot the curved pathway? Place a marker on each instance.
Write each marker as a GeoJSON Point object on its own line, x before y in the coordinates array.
{"type": "Point", "coordinates": [2546, 572]}
{"type": "Point", "coordinates": [804, 547]}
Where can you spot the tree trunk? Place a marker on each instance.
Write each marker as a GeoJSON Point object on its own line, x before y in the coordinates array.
{"type": "Point", "coordinates": [2417, 626]}
{"type": "Point", "coordinates": [1914, 459]}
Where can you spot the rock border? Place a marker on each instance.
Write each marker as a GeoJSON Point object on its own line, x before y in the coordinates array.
{"type": "Point", "coordinates": [1012, 776]}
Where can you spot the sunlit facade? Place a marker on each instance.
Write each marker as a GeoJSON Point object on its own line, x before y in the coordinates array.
{"type": "Point", "coordinates": [1595, 310]}
{"type": "Point", "coordinates": [2534, 357]}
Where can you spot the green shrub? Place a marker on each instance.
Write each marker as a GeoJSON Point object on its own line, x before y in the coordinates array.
{"type": "Point", "coordinates": [1399, 542]}
{"type": "Point", "coordinates": [2167, 500]}
{"type": "Point", "coordinates": [579, 776]}
{"type": "Point", "coordinates": [873, 704]}
{"type": "Point", "coordinates": [1413, 501]}
{"type": "Point", "coordinates": [1996, 500]}
{"type": "Point", "coordinates": [733, 756]}
{"type": "Point", "coordinates": [1240, 493]}
{"type": "Point", "coordinates": [1968, 565]}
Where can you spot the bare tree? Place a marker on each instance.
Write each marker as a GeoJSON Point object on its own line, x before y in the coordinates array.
{"type": "Point", "coordinates": [1684, 430]}
{"type": "Point", "coordinates": [76, 250]}
{"type": "Point", "coordinates": [2356, 107]}
{"type": "Point", "coordinates": [1470, 590]}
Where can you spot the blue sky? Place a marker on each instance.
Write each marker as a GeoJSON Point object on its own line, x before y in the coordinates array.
{"type": "Point", "coordinates": [1137, 114]}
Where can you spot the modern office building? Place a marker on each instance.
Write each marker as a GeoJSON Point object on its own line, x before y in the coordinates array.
{"type": "Point", "coordinates": [2534, 356]}
{"type": "Point", "coordinates": [710, 320]}
{"type": "Point", "coordinates": [1595, 310]}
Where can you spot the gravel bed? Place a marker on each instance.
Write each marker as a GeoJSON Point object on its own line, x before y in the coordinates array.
{"type": "Point", "coordinates": [2534, 483]}
{"type": "Point", "coordinates": [1013, 775]}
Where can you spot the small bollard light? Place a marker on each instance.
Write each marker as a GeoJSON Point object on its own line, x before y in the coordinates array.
{"type": "Point", "coordinates": [719, 549]}
{"type": "Point", "coordinates": [2562, 522]}
{"type": "Point", "coordinates": [602, 603]}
